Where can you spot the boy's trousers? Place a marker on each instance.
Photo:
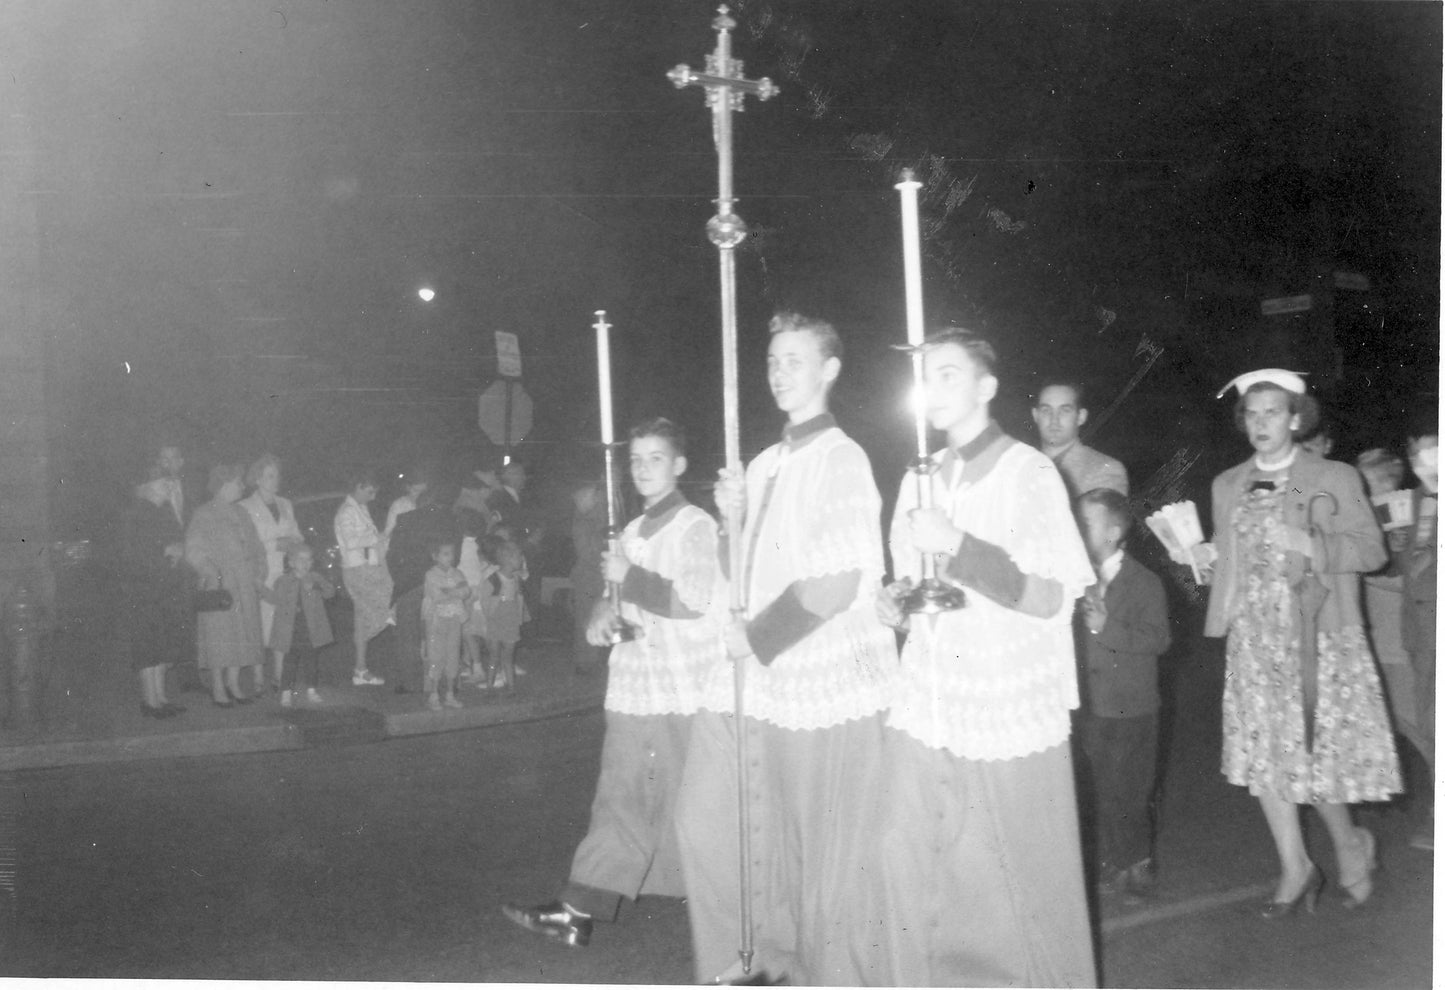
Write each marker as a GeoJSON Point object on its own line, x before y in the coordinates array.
{"type": "Point", "coordinates": [631, 845]}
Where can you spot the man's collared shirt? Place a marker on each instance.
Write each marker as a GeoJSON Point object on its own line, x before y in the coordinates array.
{"type": "Point", "coordinates": [1109, 569]}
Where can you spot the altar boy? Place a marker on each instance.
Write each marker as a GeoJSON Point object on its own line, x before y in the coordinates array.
{"type": "Point", "coordinates": [672, 595]}
{"type": "Point", "coordinates": [978, 848]}
{"type": "Point", "coordinates": [816, 669]}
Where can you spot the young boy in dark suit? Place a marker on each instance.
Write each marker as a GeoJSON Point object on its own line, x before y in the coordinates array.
{"type": "Point", "coordinates": [1124, 621]}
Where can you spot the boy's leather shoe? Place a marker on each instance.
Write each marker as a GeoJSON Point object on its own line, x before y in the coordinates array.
{"type": "Point", "coordinates": [555, 920]}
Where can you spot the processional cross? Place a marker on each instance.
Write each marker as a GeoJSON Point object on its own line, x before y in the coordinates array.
{"type": "Point", "coordinates": [726, 90]}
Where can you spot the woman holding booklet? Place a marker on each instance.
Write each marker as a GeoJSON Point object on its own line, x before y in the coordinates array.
{"type": "Point", "coordinates": [1304, 718]}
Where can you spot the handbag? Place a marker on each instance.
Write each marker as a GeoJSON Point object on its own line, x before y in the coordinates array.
{"type": "Point", "coordinates": [212, 600]}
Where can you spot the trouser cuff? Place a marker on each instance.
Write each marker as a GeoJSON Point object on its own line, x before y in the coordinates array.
{"type": "Point", "coordinates": [601, 904]}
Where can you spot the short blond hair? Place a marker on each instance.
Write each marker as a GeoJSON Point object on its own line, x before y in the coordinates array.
{"type": "Point", "coordinates": [829, 343]}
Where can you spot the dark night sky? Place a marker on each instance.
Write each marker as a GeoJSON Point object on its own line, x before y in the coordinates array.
{"type": "Point", "coordinates": [241, 198]}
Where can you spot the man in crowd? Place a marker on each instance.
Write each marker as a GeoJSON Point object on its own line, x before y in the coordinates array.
{"type": "Point", "coordinates": [169, 463]}
{"type": "Point", "coordinates": [1059, 413]}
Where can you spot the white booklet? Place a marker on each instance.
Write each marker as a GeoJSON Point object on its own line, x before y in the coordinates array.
{"type": "Point", "coordinates": [1177, 527]}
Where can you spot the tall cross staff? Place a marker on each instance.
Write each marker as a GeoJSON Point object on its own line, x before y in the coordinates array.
{"type": "Point", "coordinates": [726, 90]}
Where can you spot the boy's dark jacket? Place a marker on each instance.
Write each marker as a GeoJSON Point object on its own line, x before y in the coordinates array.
{"type": "Point", "coordinates": [290, 595]}
{"type": "Point", "coordinates": [1121, 661]}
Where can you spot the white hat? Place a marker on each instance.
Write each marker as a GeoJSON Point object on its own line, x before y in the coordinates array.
{"type": "Point", "coordinates": [1290, 381]}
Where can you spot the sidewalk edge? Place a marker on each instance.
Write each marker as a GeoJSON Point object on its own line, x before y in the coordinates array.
{"type": "Point", "coordinates": [212, 742]}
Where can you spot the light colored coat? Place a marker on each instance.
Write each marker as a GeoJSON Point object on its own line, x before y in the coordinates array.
{"type": "Point", "coordinates": [221, 544]}
{"type": "Point", "coordinates": [1349, 542]}
{"type": "Point", "coordinates": [291, 596]}
{"type": "Point", "coordinates": [273, 532]}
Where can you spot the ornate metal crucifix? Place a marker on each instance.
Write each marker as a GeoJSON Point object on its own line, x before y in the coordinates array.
{"type": "Point", "coordinates": [726, 91]}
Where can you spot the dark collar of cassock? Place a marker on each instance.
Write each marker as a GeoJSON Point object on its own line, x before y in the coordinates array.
{"type": "Point", "coordinates": [970, 453]}
{"type": "Point", "coordinates": [796, 435]}
{"type": "Point", "coordinates": [657, 515]}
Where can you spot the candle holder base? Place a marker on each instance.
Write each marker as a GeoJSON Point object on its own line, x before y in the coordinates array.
{"type": "Point", "coordinates": [622, 632]}
{"type": "Point", "coordinates": [931, 596]}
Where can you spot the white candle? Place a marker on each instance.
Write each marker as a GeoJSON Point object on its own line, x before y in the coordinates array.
{"type": "Point", "coordinates": [604, 374]}
{"type": "Point", "coordinates": [912, 266]}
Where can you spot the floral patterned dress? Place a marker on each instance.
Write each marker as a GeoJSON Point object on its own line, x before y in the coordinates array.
{"type": "Point", "coordinates": [1353, 755]}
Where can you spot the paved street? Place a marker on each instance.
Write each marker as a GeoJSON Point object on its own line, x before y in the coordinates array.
{"type": "Point", "coordinates": [386, 861]}
{"type": "Point", "coordinates": [370, 862]}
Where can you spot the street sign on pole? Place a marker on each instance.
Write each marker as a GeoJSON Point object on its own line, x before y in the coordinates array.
{"type": "Point", "coordinates": [509, 355]}
{"type": "Point", "coordinates": [504, 412]}
{"type": "Point", "coordinates": [1286, 304]}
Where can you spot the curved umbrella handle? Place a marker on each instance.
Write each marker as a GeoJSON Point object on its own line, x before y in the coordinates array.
{"type": "Point", "coordinates": [1310, 508]}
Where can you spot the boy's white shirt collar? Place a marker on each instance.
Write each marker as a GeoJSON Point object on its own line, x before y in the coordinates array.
{"type": "Point", "coordinates": [1109, 569]}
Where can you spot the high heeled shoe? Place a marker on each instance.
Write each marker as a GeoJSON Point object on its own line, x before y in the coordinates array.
{"type": "Point", "coordinates": [1358, 892]}
{"type": "Point", "coordinates": [1309, 893]}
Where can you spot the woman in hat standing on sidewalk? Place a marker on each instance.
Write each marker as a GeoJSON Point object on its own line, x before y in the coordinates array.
{"type": "Point", "coordinates": [1304, 715]}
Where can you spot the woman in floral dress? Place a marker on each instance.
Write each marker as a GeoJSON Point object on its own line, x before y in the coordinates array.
{"type": "Point", "coordinates": [1302, 726]}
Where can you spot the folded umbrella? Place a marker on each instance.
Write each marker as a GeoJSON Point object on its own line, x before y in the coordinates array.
{"type": "Point", "coordinates": [1309, 593]}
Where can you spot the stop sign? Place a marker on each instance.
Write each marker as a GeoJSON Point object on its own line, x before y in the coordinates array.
{"type": "Point", "coordinates": [504, 412]}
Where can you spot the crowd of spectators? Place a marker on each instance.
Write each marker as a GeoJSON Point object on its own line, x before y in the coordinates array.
{"type": "Point", "coordinates": [231, 593]}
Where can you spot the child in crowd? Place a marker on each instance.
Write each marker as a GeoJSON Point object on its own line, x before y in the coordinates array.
{"type": "Point", "coordinates": [1125, 621]}
{"type": "Point", "coordinates": [444, 606]}
{"type": "Point", "coordinates": [519, 540]}
{"type": "Point", "coordinates": [475, 570]}
{"type": "Point", "coordinates": [510, 535]}
{"type": "Point", "coordinates": [504, 611]}
{"type": "Point", "coordinates": [299, 589]}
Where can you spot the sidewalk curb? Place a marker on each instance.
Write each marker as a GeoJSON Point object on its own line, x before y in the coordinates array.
{"type": "Point", "coordinates": [211, 742]}
{"type": "Point", "coordinates": [402, 724]}
{"type": "Point", "coordinates": [1196, 904]}
{"type": "Point", "coordinates": [272, 738]}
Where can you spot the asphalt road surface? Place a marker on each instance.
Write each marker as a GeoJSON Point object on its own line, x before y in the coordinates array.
{"type": "Point", "coordinates": [387, 862]}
